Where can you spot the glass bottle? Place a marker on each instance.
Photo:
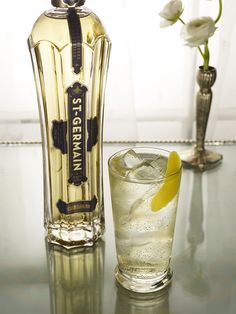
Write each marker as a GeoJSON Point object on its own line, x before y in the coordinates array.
{"type": "Point", "coordinates": [70, 53]}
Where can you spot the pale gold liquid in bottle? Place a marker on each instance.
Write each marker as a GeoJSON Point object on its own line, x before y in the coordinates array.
{"type": "Point", "coordinates": [51, 52]}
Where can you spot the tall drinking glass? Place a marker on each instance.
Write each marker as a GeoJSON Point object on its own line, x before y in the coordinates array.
{"type": "Point", "coordinates": [144, 186]}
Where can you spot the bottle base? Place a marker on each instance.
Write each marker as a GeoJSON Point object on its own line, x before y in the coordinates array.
{"type": "Point", "coordinates": [143, 285]}
{"type": "Point", "coordinates": [79, 236]}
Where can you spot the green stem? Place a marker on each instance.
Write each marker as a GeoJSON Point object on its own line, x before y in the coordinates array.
{"type": "Point", "coordinates": [206, 56]}
{"type": "Point", "coordinates": [179, 18]}
{"type": "Point", "coordinates": [220, 11]}
{"type": "Point", "coordinates": [200, 50]}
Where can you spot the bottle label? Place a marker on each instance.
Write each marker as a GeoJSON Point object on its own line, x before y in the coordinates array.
{"type": "Point", "coordinates": [77, 133]}
{"type": "Point", "coordinates": [92, 126]}
{"type": "Point", "coordinates": [77, 207]}
{"type": "Point", "coordinates": [59, 131]}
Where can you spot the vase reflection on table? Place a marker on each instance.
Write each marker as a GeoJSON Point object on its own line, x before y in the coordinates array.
{"type": "Point", "coordinates": [199, 157]}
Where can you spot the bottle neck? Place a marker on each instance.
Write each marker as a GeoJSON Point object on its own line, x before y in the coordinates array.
{"type": "Point", "coordinates": [67, 3]}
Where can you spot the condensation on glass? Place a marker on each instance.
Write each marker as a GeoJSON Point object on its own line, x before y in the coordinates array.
{"type": "Point", "coordinates": [70, 54]}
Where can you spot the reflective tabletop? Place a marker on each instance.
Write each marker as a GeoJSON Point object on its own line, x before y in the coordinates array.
{"type": "Point", "coordinates": [39, 278]}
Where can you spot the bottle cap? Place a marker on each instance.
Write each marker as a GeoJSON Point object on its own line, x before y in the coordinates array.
{"type": "Point", "coordinates": [67, 3]}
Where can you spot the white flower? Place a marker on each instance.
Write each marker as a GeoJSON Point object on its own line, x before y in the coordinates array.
{"type": "Point", "coordinates": [197, 31]}
{"type": "Point", "coordinates": [171, 12]}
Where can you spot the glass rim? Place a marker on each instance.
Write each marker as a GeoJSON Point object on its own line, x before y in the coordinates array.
{"type": "Point", "coordinates": [126, 178]}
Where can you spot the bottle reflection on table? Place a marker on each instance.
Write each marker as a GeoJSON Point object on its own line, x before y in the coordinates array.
{"type": "Point", "coordinates": [76, 279]}
{"type": "Point", "coordinates": [128, 302]}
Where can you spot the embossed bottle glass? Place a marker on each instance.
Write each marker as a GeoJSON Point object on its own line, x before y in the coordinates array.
{"type": "Point", "coordinates": [70, 54]}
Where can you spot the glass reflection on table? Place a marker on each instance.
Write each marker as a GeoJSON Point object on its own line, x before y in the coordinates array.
{"type": "Point", "coordinates": [76, 279]}
{"type": "Point", "coordinates": [128, 302]}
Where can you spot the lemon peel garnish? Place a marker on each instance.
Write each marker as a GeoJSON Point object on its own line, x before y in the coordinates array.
{"type": "Point", "coordinates": [171, 183]}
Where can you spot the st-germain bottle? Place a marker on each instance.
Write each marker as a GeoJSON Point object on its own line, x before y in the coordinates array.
{"type": "Point", "coordinates": [70, 53]}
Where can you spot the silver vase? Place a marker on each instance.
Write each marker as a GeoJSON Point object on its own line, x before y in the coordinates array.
{"type": "Point", "coordinates": [199, 157]}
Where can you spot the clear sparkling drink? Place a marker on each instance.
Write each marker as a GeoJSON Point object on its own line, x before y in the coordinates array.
{"type": "Point", "coordinates": [144, 233]}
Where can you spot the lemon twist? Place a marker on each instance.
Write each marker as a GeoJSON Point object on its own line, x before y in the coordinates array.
{"type": "Point", "coordinates": [171, 183]}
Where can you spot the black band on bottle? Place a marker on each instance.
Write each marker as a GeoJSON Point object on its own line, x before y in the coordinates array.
{"type": "Point", "coordinates": [77, 207]}
{"type": "Point", "coordinates": [76, 39]}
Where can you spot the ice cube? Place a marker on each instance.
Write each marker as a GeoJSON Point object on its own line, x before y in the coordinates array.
{"type": "Point", "coordinates": [159, 164]}
{"type": "Point", "coordinates": [149, 169]}
{"type": "Point", "coordinates": [144, 171]}
{"type": "Point", "coordinates": [125, 194]}
{"type": "Point", "coordinates": [131, 159]}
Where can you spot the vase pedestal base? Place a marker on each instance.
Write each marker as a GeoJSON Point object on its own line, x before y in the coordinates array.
{"type": "Point", "coordinates": [200, 159]}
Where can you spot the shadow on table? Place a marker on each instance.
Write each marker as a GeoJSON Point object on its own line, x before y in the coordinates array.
{"type": "Point", "coordinates": [130, 302]}
{"type": "Point", "coordinates": [189, 271]}
{"type": "Point", "coordinates": [76, 279]}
